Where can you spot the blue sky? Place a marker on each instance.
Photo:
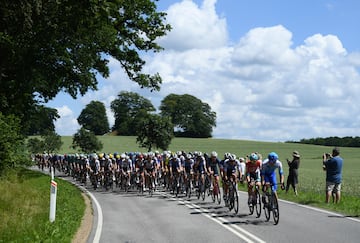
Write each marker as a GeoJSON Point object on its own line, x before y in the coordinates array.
{"type": "Point", "coordinates": [271, 70]}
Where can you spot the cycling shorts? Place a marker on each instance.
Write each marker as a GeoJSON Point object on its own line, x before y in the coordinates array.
{"type": "Point", "coordinates": [271, 179]}
{"type": "Point", "coordinates": [215, 169]}
{"type": "Point", "coordinates": [255, 176]}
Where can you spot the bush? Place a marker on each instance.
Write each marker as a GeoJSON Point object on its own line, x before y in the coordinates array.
{"type": "Point", "coordinates": [12, 143]}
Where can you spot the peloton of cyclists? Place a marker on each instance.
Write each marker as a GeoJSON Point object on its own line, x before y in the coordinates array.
{"type": "Point", "coordinates": [193, 166]}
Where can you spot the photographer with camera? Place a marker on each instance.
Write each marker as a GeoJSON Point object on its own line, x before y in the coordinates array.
{"type": "Point", "coordinates": [332, 164]}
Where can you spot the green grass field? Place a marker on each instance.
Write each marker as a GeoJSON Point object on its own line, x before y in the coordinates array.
{"type": "Point", "coordinates": [311, 175]}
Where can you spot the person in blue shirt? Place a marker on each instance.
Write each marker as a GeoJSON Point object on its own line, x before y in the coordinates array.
{"type": "Point", "coordinates": [332, 164]}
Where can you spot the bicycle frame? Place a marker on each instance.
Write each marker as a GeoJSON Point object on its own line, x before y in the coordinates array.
{"type": "Point", "coordinates": [272, 205]}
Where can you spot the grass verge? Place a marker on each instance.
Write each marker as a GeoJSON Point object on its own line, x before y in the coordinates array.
{"type": "Point", "coordinates": [24, 208]}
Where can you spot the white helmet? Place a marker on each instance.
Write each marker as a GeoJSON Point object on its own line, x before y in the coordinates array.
{"type": "Point", "coordinates": [214, 154]}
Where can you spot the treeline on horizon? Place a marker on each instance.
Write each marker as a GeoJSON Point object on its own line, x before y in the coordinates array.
{"type": "Point", "coordinates": [331, 141]}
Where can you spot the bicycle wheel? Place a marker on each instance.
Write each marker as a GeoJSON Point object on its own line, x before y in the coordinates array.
{"type": "Point", "coordinates": [275, 209]}
{"type": "Point", "coordinates": [151, 189]}
{"type": "Point", "coordinates": [94, 181]}
{"type": "Point", "coordinates": [217, 193]}
{"type": "Point", "coordinates": [267, 208]}
{"type": "Point", "coordinates": [236, 201]}
{"type": "Point", "coordinates": [212, 193]}
{"type": "Point", "coordinates": [251, 206]}
{"type": "Point", "coordinates": [257, 203]}
{"type": "Point", "coordinates": [203, 192]}
{"type": "Point", "coordinates": [189, 190]}
{"type": "Point", "coordinates": [127, 187]}
{"type": "Point", "coordinates": [198, 191]}
{"type": "Point", "coordinates": [231, 199]}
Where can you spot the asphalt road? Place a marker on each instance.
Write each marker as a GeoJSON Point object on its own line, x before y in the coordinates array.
{"type": "Point", "coordinates": [129, 217]}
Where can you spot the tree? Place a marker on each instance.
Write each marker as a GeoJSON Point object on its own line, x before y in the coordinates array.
{"type": "Point", "coordinates": [190, 116]}
{"type": "Point", "coordinates": [154, 131]}
{"type": "Point", "coordinates": [12, 147]}
{"type": "Point", "coordinates": [49, 142]}
{"type": "Point", "coordinates": [52, 142]}
{"type": "Point", "coordinates": [93, 118]}
{"type": "Point", "coordinates": [35, 145]}
{"type": "Point", "coordinates": [41, 120]}
{"type": "Point", "coordinates": [86, 141]}
{"type": "Point", "coordinates": [58, 45]}
{"type": "Point", "coordinates": [128, 108]}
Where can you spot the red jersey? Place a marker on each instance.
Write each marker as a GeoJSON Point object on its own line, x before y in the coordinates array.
{"type": "Point", "coordinates": [252, 167]}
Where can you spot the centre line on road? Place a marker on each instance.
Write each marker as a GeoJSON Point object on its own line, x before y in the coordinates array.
{"type": "Point", "coordinates": [246, 236]}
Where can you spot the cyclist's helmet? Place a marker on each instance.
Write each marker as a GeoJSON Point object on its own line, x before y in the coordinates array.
{"type": "Point", "coordinates": [253, 157]}
{"type": "Point", "coordinates": [214, 154]}
{"type": "Point", "coordinates": [273, 157]}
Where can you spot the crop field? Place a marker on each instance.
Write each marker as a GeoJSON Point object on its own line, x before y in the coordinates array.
{"type": "Point", "coordinates": [311, 176]}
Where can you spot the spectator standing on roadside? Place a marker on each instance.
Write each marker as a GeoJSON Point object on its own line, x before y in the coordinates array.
{"type": "Point", "coordinates": [333, 167]}
{"type": "Point", "coordinates": [292, 179]}
{"type": "Point", "coordinates": [242, 169]}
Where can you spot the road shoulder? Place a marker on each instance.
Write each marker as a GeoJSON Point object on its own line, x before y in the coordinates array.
{"type": "Point", "coordinates": [85, 228]}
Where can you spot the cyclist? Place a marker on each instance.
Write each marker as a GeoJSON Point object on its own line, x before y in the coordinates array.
{"type": "Point", "coordinates": [108, 169]}
{"type": "Point", "coordinates": [139, 169]}
{"type": "Point", "coordinates": [213, 168]}
{"type": "Point", "coordinates": [268, 176]}
{"type": "Point", "coordinates": [231, 170]}
{"type": "Point", "coordinates": [158, 158]}
{"type": "Point", "coordinates": [114, 166]}
{"type": "Point", "coordinates": [125, 167]}
{"type": "Point", "coordinates": [221, 167]}
{"type": "Point", "coordinates": [200, 168]}
{"type": "Point", "coordinates": [150, 168]}
{"type": "Point", "coordinates": [253, 168]}
{"type": "Point", "coordinates": [175, 169]}
{"type": "Point", "coordinates": [165, 167]}
{"type": "Point", "coordinates": [188, 167]}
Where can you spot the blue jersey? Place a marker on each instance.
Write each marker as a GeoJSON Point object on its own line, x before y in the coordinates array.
{"type": "Point", "coordinates": [268, 172]}
{"type": "Point", "coordinates": [269, 168]}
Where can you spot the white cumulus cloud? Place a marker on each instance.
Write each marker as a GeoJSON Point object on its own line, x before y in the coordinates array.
{"type": "Point", "coordinates": [261, 87]}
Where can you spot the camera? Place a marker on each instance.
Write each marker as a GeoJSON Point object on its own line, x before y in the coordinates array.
{"type": "Point", "coordinates": [327, 156]}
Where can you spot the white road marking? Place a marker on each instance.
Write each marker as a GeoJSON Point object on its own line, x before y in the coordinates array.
{"type": "Point", "coordinates": [235, 229]}
{"type": "Point", "coordinates": [321, 210]}
{"type": "Point", "coordinates": [100, 218]}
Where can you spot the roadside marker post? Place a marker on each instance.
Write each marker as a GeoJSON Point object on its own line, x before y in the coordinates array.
{"type": "Point", "coordinates": [53, 191]}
